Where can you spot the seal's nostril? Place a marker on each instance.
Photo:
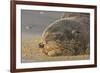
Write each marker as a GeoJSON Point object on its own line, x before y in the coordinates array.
{"type": "Point", "coordinates": [41, 45]}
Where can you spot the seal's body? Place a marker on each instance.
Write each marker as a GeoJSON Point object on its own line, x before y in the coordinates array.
{"type": "Point", "coordinates": [66, 36]}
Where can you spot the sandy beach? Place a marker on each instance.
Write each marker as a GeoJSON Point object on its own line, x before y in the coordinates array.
{"type": "Point", "coordinates": [30, 52]}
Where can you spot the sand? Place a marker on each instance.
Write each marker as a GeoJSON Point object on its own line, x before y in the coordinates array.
{"type": "Point", "coordinates": [30, 52]}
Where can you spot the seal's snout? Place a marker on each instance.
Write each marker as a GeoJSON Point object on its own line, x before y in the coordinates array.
{"type": "Point", "coordinates": [41, 45]}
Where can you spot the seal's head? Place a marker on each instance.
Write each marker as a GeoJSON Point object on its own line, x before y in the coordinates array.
{"type": "Point", "coordinates": [63, 37]}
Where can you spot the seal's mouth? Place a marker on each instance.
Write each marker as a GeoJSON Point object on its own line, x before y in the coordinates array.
{"type": "Point", "coordinates": [54, 48]}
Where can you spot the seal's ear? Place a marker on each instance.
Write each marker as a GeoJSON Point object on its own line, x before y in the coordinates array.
{"type": "Point", "coordinates": [41, 45]}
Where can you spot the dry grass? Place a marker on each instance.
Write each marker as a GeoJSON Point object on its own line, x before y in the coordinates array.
{"type": "Point", "coordinates": [31, 52]}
